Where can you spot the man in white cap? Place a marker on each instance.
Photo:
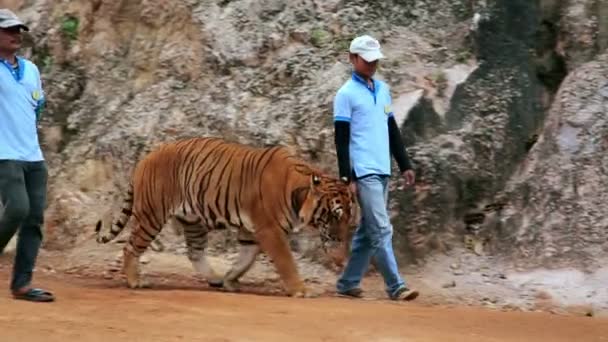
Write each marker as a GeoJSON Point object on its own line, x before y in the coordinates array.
{"type": "Point", "coordinates": [366, 135]}
{"type": "Point", "coordinates": [23, 171]}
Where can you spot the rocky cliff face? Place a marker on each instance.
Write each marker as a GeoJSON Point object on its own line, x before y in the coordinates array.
{"type": "Point", "coordinates": [475, 86]}
{"type": "Point", "coordinates": [556, 215]}
{"type": "Point", "coordinates": [477, 143]}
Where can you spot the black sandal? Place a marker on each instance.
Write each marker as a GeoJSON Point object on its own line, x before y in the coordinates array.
{"type": "Point", "coordinates": [35, 295]}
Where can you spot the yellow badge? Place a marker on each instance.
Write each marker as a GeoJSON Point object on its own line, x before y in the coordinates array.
{"type": "Point", "coordinates": [387, 109]}
{"type": "Point", "coordinates": [36, 95]}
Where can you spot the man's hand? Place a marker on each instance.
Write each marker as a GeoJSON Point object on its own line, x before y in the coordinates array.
{"type": "Point", "coordinates": [409, 177]}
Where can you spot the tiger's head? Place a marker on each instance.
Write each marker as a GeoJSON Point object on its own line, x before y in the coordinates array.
{"type": "Point", "coordinates": [331, 208]}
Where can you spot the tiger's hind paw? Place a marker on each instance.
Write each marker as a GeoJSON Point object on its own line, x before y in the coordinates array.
{"type": "Point", "coordinates": [231, 285]}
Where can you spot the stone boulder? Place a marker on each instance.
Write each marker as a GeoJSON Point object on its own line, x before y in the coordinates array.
{"type": "Point", "coordinates": [557, 203]}
{"type": "Point", "coordinates": [465, 156]}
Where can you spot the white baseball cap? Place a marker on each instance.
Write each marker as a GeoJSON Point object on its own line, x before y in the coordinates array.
{"type": "Point", "coordinates": [366, 47]}
{"type": "Point", "coordinates": [9, 19]}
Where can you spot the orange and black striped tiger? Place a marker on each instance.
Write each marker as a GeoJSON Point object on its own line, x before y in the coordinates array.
{"type": "Point", "coordinates": [210, 183]}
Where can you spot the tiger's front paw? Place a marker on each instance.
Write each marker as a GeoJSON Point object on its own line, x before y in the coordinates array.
{"type": "Point", "coordinates": [302, 292]}
{"type": "Point", "coordinates": [139, 283]}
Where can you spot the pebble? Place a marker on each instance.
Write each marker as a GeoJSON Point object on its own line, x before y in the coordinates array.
{"type": "Point", "coordinates": [490, 300]}
{"type": "Point", "coordinates": [449, 284]}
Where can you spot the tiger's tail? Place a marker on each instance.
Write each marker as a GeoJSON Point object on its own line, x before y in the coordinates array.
{"type": "Point", "coordinates": [118, 225]}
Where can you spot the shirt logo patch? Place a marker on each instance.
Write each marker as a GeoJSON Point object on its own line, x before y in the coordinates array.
{"type": "Point", "coordinates": [387, 109]}
{"type": "Point", "coordinates": [36, 95]}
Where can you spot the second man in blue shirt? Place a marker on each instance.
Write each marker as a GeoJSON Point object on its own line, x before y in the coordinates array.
{"type": "Point", "coordinates": [366, 135]}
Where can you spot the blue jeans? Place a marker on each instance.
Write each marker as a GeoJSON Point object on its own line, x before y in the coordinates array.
{"type": "Point", "coordinates": [23, 197]}
{"type": "Point", "coordinates": [373, 237]}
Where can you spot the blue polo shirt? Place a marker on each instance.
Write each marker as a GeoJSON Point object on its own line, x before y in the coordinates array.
{"type": "Point", "coordinates": [368, 111]}
{"type": "Point", "coordinates": [21, 98]}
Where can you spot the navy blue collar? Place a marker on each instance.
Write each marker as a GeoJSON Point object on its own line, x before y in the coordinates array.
{"type": "Point", "coordinates": [18, 72]}
{"type": "Point", "coordinates": [362, 80]}
{"type": "Point", "coordinates": [357, 78]}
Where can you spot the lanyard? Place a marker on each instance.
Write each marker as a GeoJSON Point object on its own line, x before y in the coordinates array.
{"type": "Point", "coordinates": [17, 73]}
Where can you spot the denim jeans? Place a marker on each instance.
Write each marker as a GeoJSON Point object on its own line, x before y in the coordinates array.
{"type": "Point", "coordinates": [23, 199]}
{"type": "Point", "coordinates": [373, 237]}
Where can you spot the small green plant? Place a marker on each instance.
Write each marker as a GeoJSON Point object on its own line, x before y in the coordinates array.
{"type": "Point", "coordinates": [441, 81]}
{"type": "Point", "coordinates": [342, 43]}
{"type": "Point", "coordinates": [439, 76]}
{"type": "Point", "coordinates": [318, 37]}
{"type": "Point", "coordinates": [69, 27]}
{"type": "Point", "coordinates": [463, 55]}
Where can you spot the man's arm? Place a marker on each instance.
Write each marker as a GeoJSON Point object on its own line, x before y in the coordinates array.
{"type": "Point", "coordinates": [342, 140]}
{"type": "Point", "coordinates": [396, 145]}
{"type": "Point", "coordinates": [342, 116]}
{"type": "Point", "coordinates": [41, 100]}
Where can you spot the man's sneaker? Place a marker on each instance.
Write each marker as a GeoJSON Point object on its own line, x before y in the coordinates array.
{"type": "Point", "coordinates": [405, 294]}
{"type": "Point", "coordinates": [353, 293]}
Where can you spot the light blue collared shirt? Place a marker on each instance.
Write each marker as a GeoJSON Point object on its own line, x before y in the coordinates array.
{"type": "Point", "coordinates": [21, 100]}
{"type": "Point", "coordinates": [368, 111]}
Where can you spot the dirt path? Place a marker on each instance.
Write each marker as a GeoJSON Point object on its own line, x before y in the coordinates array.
{"type": "Point", "coordinates": [101, 310]}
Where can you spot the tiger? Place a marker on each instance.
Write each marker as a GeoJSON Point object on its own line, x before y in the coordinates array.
{"type": "Point", "coordinates": [205, 183]}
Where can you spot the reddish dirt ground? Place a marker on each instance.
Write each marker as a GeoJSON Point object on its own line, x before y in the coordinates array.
{"type": "Point", "coordinates": [96, 309]}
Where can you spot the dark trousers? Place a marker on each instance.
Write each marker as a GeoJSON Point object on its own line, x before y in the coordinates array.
{"type": "Point", "coordinates": [22, 203]}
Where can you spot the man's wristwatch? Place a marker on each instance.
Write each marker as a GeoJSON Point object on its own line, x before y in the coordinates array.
{"type": "Point", "coordinates": [344, 180]}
